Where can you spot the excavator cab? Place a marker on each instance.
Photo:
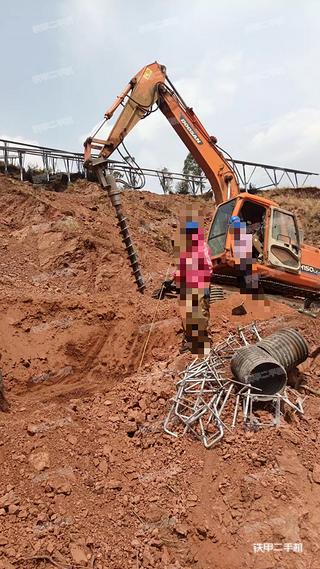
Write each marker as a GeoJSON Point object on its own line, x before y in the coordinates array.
{"type": "Point", "coordinates": [275, 234]}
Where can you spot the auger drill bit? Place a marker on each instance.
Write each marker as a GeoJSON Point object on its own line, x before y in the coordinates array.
{"type": "Point", "coordinates": [108, 183]}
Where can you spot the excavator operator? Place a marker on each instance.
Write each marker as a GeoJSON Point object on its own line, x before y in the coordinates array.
{"type": "Point", "coordinates": [257, 228]}
{"type": "Point", "coordinates": [243, 253]}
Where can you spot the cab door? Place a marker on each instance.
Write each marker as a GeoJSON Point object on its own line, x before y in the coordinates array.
{"type": "Point", "coordinates": [219, 228]}
{"type": "Point", "coordinates": [283, 247]}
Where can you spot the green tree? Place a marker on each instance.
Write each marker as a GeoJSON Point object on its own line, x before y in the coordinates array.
{"type": "Point", "coordinates": [189, 185]}
{"type": "Point", "coordinates": [183, 186]}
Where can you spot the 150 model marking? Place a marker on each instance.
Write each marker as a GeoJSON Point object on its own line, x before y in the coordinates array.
{"type": "Point", "coordinates": [309, 269]}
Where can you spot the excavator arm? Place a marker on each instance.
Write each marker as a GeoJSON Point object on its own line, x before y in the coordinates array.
{"type": "Point", "coordinates": [149, 87]}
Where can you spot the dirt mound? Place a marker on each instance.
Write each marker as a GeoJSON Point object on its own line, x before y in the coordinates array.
{"type": "Point", "coordinates": [88, 477]}
{"type": "Point", "coordinates": [304, 202]}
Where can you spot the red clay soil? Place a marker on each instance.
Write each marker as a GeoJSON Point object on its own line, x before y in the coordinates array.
{"type": "Point", "coordinates": [88, 477]}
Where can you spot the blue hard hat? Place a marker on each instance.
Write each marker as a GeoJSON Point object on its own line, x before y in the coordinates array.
{"type": "Point", "coordinates": [235, 221]}
{"type": "Point", "coordinates": [192, 225]}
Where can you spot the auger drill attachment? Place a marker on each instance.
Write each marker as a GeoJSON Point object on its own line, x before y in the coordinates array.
{"type": "Point", "coordinates": [108, 184]}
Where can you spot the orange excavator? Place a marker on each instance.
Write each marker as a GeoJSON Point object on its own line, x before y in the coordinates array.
{"type": "Point", "coordinates": [283, 262]}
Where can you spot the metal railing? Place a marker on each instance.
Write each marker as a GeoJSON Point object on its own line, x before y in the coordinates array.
{"type": "Point", "coordinates": [15, 155]}
{"type": "Point", "coordinates": [275, 174]}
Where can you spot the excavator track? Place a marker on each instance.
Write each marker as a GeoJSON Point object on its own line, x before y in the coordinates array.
{"type": "Point", "coordinates": [274, 287]}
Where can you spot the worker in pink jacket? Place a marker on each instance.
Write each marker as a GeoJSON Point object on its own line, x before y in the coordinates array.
{"type": "Point", "coordinates": [192, 279]}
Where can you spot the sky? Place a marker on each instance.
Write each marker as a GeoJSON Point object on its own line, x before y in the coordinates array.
{"type": "Point", "coordinates": [250, 70]}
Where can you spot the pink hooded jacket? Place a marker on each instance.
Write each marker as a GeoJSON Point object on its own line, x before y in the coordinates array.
{"type": "Point", "coordinates": [194, 268]}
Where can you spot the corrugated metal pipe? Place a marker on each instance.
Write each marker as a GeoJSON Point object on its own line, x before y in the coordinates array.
{"type": "Point", "coordinates": [286, 346]}
{"type": "Point", "coordinates": [251, 365]}
{"type": "Point", "coordinates": [265, 364]}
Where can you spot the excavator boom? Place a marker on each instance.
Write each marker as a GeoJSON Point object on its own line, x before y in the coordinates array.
{"type": "Point", "coordinates": [151, 86]}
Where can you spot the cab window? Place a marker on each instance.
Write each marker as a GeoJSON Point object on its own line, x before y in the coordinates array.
{"type": "Point", "coordinates": [219, 228]}
{"type": "Point", "coordinates": [284, 228]}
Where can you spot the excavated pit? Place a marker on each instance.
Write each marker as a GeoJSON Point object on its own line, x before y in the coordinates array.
{"type": "Point", "coordinates": [88, 477]}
